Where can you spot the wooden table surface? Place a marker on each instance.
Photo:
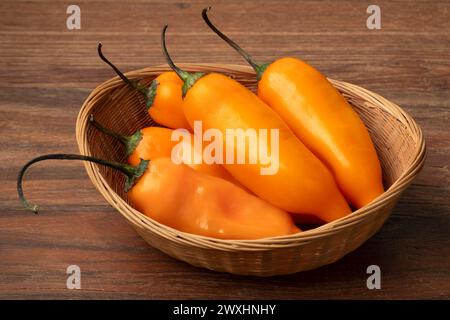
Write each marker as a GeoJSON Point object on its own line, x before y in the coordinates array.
{"type": "Point", "coordinates": [47, 71]}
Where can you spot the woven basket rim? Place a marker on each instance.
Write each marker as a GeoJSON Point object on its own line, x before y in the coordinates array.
{"type": "Point", "coordinates": [142, 221]}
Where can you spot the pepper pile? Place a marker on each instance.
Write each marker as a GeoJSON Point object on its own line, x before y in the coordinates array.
{"type": "Point", "coordinates": [327, 161]}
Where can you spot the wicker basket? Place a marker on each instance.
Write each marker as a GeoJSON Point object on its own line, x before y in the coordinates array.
{"type": "Point", "coordinates": [398, 141]}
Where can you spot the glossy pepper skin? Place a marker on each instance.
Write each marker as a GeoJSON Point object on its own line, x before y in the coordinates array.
{"type": "Point", "coordinates": [302, 185]}
{"type": "Point", "coordinates": [322, 119]}
{"type": "Point", "coordinates": [188, 200]}
{"type": "Point", "coordinates": [162, 96]}
{"type": "Point", "coordinates": [154, 142]}
{"type": "Point", "coordinates": [166, 107]}
{"type": "Point", "coordinates": [302, 180]}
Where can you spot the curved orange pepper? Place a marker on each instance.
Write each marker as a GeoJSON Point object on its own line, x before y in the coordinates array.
{"type": "Point", "coordinates": [166, 107]}
{"type": "Point", "coordinates": [322, 119]}
{"type": "Point", "coordinates": [162, 97]}
{"type": "Point", "coordinates": [154, 142]}
{"type": "Point", "coordinates": [189, 201]}
{"type": "Point", "coordinates": [302, 185]}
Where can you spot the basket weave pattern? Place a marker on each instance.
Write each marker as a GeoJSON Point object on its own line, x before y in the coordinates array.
{"type": "Point", "coordinates": [398, 140]}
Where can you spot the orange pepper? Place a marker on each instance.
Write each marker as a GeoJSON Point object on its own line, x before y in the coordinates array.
{"type": "Point", "coordinates": [166, 108]}
{"type": "Point", "coordinates": [322, 119]}
{"type": "Point", "coordinates": [189, 201]}
{"type": "Point", "coordinates": [154, 142]}
{"type": "Point", "coordinates": [162, 97]}
{"type": "Point", "coordinates": [302, 185]}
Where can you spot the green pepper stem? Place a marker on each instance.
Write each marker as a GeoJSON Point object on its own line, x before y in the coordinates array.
{"type": "Point", "coordinates": [259, 68]}
{"type": "Point", "coordinates": [122, 138]}
{"type": "Point", "coordinates": [181, 73]}
{"type": "Point", "coordinates": [148, 93]}
{"type": "Point", "coordinates": [125, 79]}
{"type": "Point", "coordinates": [132, 173]}
{"type": "Point", "coordinates": [188, 78]}
{"type": "Point", "coordinates": [130, 142]}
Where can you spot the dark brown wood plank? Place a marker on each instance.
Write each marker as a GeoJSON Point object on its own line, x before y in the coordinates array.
{"type": "Point", "coordinates": [48, 71]}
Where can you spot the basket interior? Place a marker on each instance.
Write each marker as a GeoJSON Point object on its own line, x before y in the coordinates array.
{"type": "Point", "coordinates": [123, 110]}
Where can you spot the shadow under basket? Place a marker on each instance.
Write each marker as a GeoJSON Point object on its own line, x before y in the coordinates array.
{"type": "Point", "coordinates": [397, 138]}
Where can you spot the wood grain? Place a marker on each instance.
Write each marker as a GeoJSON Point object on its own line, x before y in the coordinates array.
{"type": "Point", "coordinates": [48, 71]}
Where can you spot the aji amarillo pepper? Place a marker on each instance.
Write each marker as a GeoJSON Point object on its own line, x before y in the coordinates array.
{"type": "Point", "coordinates": [154, 142]}
{"type": "Point", "coordinates": [302, 185]}
{"type": "Point", "coordinates": [322, 119]}
{"type": "Point", "coordinates": [162, 97]}
{"type": "Point", "coordinates": [189, 201]}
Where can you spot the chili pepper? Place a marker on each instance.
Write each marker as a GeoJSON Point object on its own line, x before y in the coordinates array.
{"type": "Point", "coordinates": [187, 200]}
{"type": "Point", "coordinates": [322, 119]}
{"type": "Point", "coordinates": [154, 142]}
{"type": "Point", "coordinates": [302, 185]}
{"type": "Point", "coordinates": [162, 97]}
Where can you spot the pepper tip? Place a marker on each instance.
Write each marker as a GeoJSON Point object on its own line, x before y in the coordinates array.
{"type": "Point", "coordinates": [35, 209]}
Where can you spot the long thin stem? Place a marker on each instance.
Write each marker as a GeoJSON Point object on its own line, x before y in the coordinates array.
{"type": "Point", "coordinates": [116, 70]}
{"type": "Point", "coordinates": [181, 73]}
{"type": "Point", "coordinates": [148, 93]}
{"type": "Point", "coordinates": [130, 142]}
{"type": "Point", "coordinates": [259, 68]}
{"type": "Point", "coordinates": [109, 132]}
{"type": "Point", "coordinates": [230, 42]}
{"type": "Point", "coordinates": [188, 78]}
{"type": "Point", "coordinates": [132, 173]}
